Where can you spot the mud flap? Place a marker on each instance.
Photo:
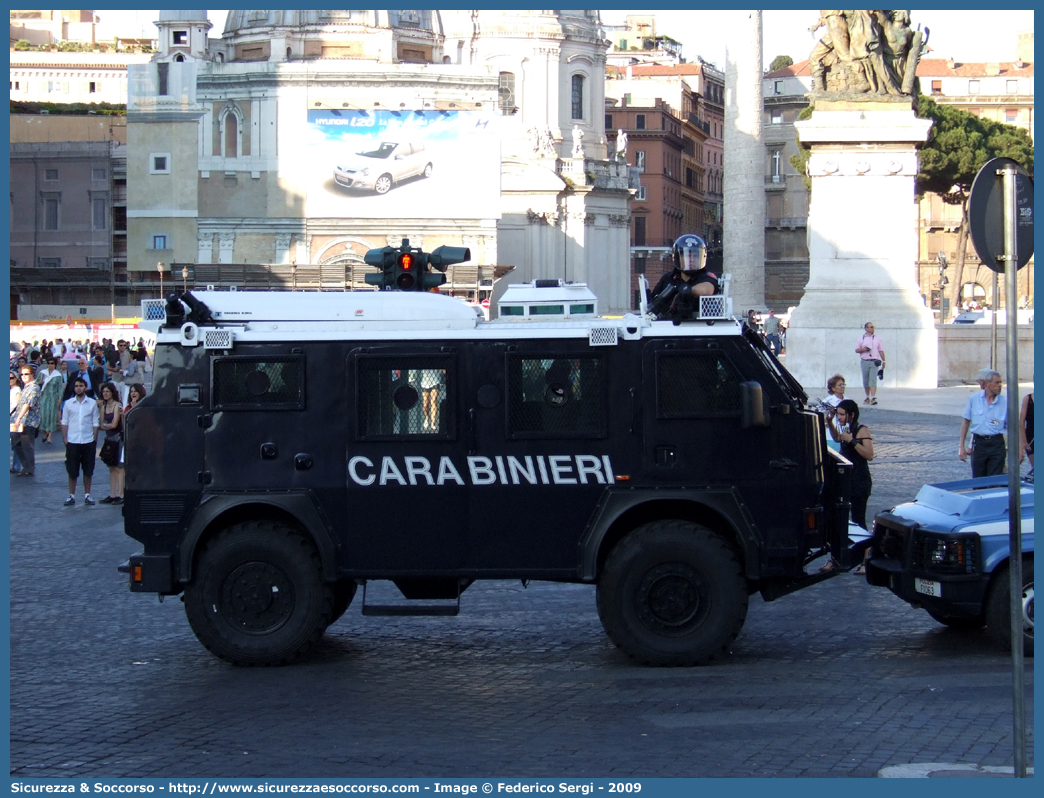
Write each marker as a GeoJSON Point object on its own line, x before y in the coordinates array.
{"type": "Point", "coordinates": [853, 555]}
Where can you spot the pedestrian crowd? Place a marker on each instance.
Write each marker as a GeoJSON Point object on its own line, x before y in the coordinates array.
{"type": "Point", "coordinates": [80, 390]}
{"type": "Point", "coordinates": [985, 418]}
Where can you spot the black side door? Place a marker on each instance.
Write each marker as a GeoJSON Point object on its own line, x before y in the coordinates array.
{"type": "Point", "coordinates": [539, 453]}
{"type": "Point", "coordinates": [407, 499]}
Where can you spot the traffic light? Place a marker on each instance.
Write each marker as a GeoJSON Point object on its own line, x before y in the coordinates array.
{"type": "Point", "coordinates": [406, 269]}
{"type": "Point", "coordinates": [441, 258]}
{"type": "Point", "coordinates": [943, 282]}
{"type": "Point", "coordinates": [384, 259]}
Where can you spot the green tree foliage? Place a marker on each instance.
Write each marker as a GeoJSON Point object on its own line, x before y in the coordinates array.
{"type": "Point", "coordinates": [72, 109]}
{"type": "Point", "coordinates": [780, 61]}
{"type": "Point", "coordinates": [959, 144]}
{"type": "Point", "coordinates": [800, 161]}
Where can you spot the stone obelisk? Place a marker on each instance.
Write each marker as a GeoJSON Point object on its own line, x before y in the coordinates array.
{"type": "Point", "coordinates": [743, 233]}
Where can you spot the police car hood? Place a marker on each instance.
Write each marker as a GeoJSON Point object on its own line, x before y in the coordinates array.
{"type": "Point", "coordinates": [946, 506]}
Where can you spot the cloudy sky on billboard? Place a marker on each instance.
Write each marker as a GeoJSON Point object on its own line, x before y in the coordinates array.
{"type": "Point", "coordinates": [402, 164]}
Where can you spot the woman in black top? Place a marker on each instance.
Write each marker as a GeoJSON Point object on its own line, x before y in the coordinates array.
{"type": "Point", "coordinates": [857, 445]}
{"type": "Point", "coordinates": [1026, 428]}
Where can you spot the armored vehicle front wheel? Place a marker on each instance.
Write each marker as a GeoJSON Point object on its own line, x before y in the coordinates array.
{"type": "Point", "coordinates": [998, 612]}
{"type": "Point", "coordinates": [257, 596]}
{"type": "Point", "coordinates": [672, 593]}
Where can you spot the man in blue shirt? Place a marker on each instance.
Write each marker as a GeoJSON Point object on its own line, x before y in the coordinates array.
{"type": "Point", "coordinates": [986, 417]}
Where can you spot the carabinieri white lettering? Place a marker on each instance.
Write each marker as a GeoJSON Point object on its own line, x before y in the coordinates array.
{"type": "Point", "coordinates": [561, 469]}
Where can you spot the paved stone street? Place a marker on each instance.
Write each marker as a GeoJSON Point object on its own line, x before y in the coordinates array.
{"type": "Point", "coordinates": [838, 680]}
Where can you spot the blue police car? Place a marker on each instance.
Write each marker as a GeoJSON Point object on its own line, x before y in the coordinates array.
{"type": "Point", "coordinates": [947, 552]}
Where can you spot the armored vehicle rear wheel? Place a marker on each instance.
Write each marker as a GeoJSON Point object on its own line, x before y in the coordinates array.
{"type": "Point", "coordinates": [257, 596]}
{"type": "Point", "coordinates": [960, 624]}
{"type": "Point", "coordinates": [998, 612]}
{"type": "Point", "coordinates": [672, 593]}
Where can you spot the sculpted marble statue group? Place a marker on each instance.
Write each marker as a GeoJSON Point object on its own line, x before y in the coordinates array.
{"type": "Point", "coordinates": [866, 53]}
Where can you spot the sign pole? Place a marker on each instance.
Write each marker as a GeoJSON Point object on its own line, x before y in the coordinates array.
{"type": "Point", "coordinates": [995, 304]}
{"type": "Point", "coordinates": [1010, 174]}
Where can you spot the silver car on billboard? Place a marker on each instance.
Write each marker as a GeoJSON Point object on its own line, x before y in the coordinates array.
{"type": "Point", "coordinates": [385, 165]}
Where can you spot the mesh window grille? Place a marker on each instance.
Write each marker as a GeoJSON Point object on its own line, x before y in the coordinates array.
{"type": "Point", "coordinates": [556, 397]}
{"type": "Point", "coordinates": [405, 397]}
{"type": "Point", "coordinates": [252, 383]}
{"type": "Point", "coordinates": [696, 384]}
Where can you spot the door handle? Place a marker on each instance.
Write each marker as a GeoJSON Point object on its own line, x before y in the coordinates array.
{"type": "Point", "coordinates": [784, 464]}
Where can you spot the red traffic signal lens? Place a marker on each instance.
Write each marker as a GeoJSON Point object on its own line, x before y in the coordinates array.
{"type": "Point", "coordinates": [406, 261]}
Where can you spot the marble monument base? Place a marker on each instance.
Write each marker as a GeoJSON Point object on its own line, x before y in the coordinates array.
{"type": "Point", "coordinates": [862, 242]}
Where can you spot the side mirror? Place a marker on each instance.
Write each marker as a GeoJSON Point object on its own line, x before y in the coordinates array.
{"type": "Point", "coordinates": [753, 412]}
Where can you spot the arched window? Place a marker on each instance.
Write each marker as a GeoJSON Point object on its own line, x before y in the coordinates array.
{"type": "Point", "coordinates": [289, 53]}
{"type": "Point", "coordinates": [507, 93]}
{"type": "Point", "coordinates": [231, 125]}
{"type": "Point", "coordinates": [179, 58]}
{"type": "Point", "coordinates": [578, 97]}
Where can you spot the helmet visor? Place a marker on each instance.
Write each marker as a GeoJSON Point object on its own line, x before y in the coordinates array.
{"type": "Point", "coordinates": [692, 258]}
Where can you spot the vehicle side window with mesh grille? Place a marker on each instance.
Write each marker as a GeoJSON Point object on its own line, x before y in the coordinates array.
{"type": "Point", "coordinates": [556, 397]}
{"type": "Point", "coordinates": [405, 397]}
{"type": "Point", "coordinates": [258, 383]}
{"type": "Point", "coordinates": [690, 384]}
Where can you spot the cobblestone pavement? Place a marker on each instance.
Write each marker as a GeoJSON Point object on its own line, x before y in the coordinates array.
{"type": "Point", "coordinates": [838, 680]}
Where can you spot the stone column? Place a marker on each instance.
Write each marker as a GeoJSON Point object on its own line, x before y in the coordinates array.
{"type": "Point", "coordinates": [743, 231]}
{"type": "Point", "coordinates": [862, 243]}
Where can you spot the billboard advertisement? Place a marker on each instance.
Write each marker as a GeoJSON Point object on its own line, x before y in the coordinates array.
{"type": "Point", "coordinates": [403, 164]}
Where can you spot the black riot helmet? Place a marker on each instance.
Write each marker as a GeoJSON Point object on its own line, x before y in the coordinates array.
{"type": "Point", "coordinates": [690, 253]}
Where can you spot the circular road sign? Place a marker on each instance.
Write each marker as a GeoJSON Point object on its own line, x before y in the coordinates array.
{"type": "Point", "coordinates": [986, 214]}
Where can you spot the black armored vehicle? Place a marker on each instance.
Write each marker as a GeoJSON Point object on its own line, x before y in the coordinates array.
{"type": "Point", "coordinates": [297, 447]}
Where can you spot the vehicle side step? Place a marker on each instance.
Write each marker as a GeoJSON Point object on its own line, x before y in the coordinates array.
{"type": "Point", "coordinates": [775, 590]}
{"type": "Point", "coordinates": [404, 609]}
{"type": "Point", "coordinates": [410, 607]}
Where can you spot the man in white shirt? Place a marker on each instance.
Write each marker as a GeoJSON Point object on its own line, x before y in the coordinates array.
{"type": "Point", "coordinates": [80, 423]}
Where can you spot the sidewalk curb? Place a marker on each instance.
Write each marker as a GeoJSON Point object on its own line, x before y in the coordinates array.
{"type": "Point", "coordinates": [944, 770]}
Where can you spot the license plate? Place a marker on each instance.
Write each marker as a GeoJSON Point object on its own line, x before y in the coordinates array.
{"type": "Point", "coordinates": [928, 587]}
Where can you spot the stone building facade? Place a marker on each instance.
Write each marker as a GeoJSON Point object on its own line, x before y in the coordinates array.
{"type": "Point", "coordinates": [222, 136]}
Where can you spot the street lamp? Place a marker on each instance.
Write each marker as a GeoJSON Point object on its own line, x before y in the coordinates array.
{"type": "Point", "coordinates": [159, 268]}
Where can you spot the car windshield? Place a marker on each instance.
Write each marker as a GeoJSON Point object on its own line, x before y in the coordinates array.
{"type": "Point", "coordinates": [383, 151]}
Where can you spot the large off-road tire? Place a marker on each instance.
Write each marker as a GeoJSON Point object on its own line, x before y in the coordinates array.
{"type": "Point", "coordinates": [672, 593]}
{"type": "Point", "coordinates": [343, 593]}
{"type": "Point", "coordinates": [998, 612]}
{"type": "Point", "coordinates": [957, 623]}
{"type": "Point", "coordinates": [257, 596]}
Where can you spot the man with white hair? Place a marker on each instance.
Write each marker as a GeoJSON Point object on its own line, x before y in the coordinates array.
{"type": "Point", "coordinates": [986, 417]}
